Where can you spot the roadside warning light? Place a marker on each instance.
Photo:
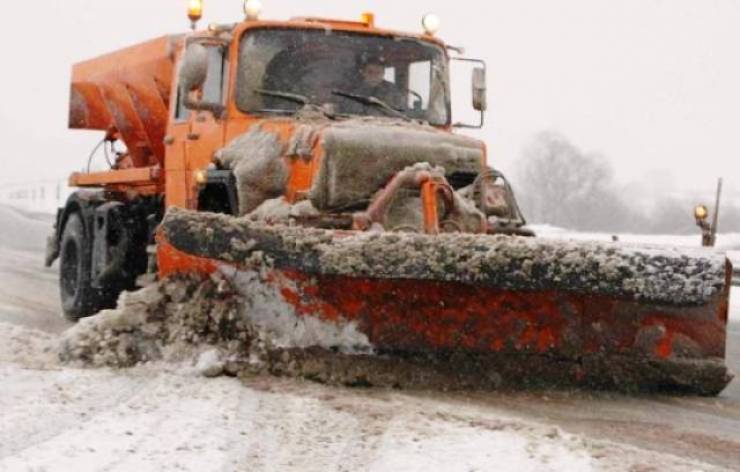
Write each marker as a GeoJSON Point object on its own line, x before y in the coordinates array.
{"type": "Point", "coordinates": [431, 23]}
{"type": "Point", "coordinates": [701, 212]}
{"type": "Point", "coordinates": [252, 9]}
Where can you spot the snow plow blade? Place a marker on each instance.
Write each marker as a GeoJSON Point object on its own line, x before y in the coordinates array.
{"type": "Point", "coordinates": [528, 311]}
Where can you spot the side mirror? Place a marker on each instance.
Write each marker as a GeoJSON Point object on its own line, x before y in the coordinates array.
{"type": "Point", "coordinates": [479, 89]}
{"type": "Point", "coordinates": [194, 68]}
{"type": "Point", "coordinates": [193, 75]}
{"type": "Point", "coordinates": [477, 68]}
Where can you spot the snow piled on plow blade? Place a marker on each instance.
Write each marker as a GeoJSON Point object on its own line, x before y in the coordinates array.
{"type": "Point", "coordinates": [273, 317]}
{"type": "Point", "coordinates": [668, 275]}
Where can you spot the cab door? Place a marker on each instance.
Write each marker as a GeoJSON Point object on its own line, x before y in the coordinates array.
{"type": "Point", "coordinates": [176, 188]}
{"type": "Point", "coordinates": [195, 135]}
{"type": "Point", "coordinates": [207, 127]}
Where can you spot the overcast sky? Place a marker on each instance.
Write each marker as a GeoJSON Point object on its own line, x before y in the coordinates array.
{"type": "Point", "coordinates": [652, 84]}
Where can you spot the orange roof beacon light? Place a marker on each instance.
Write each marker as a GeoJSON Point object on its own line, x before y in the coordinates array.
{"type": "Point", "coordinates": [368, 19]}
{"type": "Point", "coordinates": [252, 9]}
{"type": "Point", "coordinates": [195, 12]}
{"type": "Point", "coordinates": [431, 23]}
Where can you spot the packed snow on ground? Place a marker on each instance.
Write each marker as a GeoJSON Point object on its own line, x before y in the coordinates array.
{"type": "Point", "coordinates": [161, 417]}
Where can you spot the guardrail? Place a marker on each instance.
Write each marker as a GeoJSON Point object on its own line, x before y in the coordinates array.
{"type": "Point", "coordinates": [37, 197]}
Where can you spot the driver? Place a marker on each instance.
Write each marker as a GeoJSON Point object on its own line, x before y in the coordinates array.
{"type": "Point", "coordinates": [373, 83]}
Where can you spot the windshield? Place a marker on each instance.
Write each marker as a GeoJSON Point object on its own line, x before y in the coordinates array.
{"type": "Point", "coordinates": [282, 69]}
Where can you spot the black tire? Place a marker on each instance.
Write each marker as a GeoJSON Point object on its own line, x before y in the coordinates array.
{"type": "Point", "coordinates": [79, 298]}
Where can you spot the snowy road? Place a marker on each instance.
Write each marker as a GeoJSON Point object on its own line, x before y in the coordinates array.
{"type": "Point", "coordinates": [163, 417]}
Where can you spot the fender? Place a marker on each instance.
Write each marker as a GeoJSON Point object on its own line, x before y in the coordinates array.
{"type": "Point", "coordinates": [83, 202]}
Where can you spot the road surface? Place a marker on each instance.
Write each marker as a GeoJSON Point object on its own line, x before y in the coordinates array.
{"type": "Point", "coordinates": [248, 426]}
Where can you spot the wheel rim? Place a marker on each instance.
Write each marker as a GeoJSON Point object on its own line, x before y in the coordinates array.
{"type": "Point", "coordinates": [70, 265]}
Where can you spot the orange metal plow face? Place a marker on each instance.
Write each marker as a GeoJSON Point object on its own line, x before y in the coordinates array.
{"type": "Point", "coordinates": [536, 335]}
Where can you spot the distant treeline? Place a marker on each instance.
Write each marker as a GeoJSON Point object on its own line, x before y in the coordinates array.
{"type": "Point", "coordinates": [561, 185]}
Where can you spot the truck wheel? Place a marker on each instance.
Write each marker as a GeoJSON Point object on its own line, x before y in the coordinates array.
{"type": "Point", "coordinates": [79, 298]}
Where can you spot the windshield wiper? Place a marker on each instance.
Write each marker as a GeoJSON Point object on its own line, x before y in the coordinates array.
{"type": "Point", "coordinates": [375, 101]}
{"type": "Point", "coordinates": [293, 97]}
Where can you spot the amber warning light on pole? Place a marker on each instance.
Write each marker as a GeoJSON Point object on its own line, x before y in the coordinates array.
{"type": "Point", "coordinates": [195, 11]}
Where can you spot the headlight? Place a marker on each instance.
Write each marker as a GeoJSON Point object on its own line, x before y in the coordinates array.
{"type": "Point", "coordinates": [200, 176]}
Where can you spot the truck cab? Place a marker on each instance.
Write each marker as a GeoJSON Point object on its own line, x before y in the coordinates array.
{"type": "Point", "coordinates": [281, 74]}
{"type": "Point", "coordinates": [312, 116]}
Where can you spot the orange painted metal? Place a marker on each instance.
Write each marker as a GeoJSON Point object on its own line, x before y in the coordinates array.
{"type": "Point", "coordinates": [418, 315]}
{"type": "Point", "coordinates": [303, 171]}
{"type": "Point", "coordinates": [127, 91]}
{"type": "Point", "coordinates": [366, 23]}
{"type": "Point", "coordinates": [172, 261]}
{"type": "Point", "coordinates": [133, 177]}
{"type": "Point", "coordinates": [429, 190]}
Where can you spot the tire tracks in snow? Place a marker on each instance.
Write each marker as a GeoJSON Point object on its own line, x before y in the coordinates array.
{"type": "Point", "coordinates": [335, 431]}
{"type": "Point", "coordinates": [67, 401]}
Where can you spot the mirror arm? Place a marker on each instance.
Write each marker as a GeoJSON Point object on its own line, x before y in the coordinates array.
{"type": "Point", "coordinates": [478, 126]}
{"type": "Point", "coordinates": [482, 63]}
{"type": "Point", "coordinates": [217, 109]}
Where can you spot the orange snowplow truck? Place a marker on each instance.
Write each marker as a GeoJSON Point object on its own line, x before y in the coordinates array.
{"type": "Point", "coordinates": [327, 147]}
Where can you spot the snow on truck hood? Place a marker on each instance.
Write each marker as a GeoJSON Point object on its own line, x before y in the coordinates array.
{"type": "Point", "coordinates": [362, 156]}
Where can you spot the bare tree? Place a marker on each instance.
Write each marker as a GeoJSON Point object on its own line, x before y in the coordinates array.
{"type": "Point", "coordinates": [561, 185]}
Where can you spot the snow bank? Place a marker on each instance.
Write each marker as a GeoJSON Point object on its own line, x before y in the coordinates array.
{"type": "Point", "coordinates": [28, 347]}
{"type": "Point", "coordinates": [275, 320]}
{"type": "Point", "coordinates": [725, 241]}
{"type": "Point", "coordinates": [176, 320]}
